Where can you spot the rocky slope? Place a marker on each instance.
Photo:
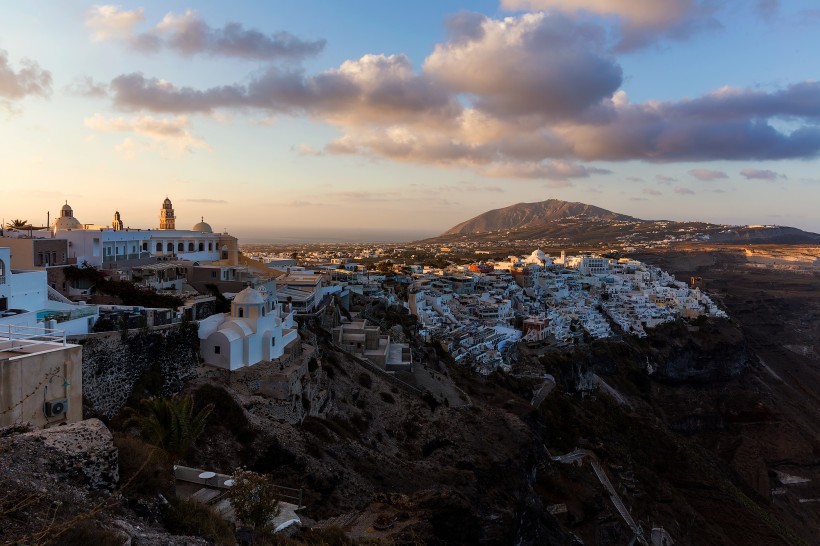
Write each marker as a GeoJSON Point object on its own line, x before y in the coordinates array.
{"type": "Point", "coordinates": [524, 215]}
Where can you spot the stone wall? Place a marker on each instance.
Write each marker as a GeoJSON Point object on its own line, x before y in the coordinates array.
{"type": "Point", "coordinates": [161, 361]}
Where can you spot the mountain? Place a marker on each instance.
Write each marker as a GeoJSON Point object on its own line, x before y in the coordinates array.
{"type": "Point", "coordinates": [561, 222]}
{"type": "Point", "coordinates": [533, 214]}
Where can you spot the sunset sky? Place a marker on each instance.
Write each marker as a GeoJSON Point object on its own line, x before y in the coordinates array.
{"type": "Point", "coordinates": [396, 120]}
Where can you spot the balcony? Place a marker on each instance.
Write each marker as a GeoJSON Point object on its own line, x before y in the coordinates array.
{"type": "Point", "coordinates": [22, 340]}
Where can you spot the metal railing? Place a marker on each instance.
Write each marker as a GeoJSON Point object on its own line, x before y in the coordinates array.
{"type": "Point", "coordinates": [13, 337]}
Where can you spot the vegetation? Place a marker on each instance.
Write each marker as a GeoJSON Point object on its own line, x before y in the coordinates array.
{"type": "Point", "coordinates": [222, 303]}
{"type": "Point", "coordinates": [131, 294]}
{"type": "Point", "coordinates": [88, 532]}
{"type": "Point", "coordinates": [192, 518]}
{"type": "Point", "coordinates": [170, 423]}
{"type": "Point", "coordinates": [142, 465]}
{"type": "Point", "coordinates": [253, 499]}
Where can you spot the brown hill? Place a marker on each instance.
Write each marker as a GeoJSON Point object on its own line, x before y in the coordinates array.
{"type": "Point", "coordinates": [532, 214]}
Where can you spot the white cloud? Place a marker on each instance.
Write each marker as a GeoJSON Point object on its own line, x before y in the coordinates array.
{"type": "Point", "coordinates": [109, 22]}
{"type": "Point", "coordinates": [641, 21]}
{"type": "Point", "coordinates": [708, 175]}
{"type": "Point", "coordinates": [30, 79]}
{"type": "Point", "coordinates": [171, 133]}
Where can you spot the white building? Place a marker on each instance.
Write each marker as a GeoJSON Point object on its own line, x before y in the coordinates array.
{"type": "Point", "coordinates": [25, 302]}
{"type": "Point", "coordinates": [252, 332]}
{"type": "Point", "coordinates": [115, 246]}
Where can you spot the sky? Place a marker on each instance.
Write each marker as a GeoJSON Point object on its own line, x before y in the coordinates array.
{"type": "Point", "coordinates": [324, 120]}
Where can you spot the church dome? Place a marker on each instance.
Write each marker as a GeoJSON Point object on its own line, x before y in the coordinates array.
{"type": "Point", "coordinates": [66, 219]}
{"type": "Point", "coordinates": [202, 227]}
{"type": "Point", "coordinates": [249, 296]}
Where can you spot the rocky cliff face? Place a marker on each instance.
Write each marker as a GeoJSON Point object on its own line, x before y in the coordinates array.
{"type": "Point", "coordinates": [113, 364]}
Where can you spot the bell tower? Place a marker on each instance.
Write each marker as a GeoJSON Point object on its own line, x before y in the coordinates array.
{"type": "Point", "coordinates": [117, 223]}
{"type": "Point", "coordinates": [167, 220]}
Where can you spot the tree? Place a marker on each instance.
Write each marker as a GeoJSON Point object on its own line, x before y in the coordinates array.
{"type": "Point", "coordinates": [253, 498]}
{"type": "Point", "coordinates": [170, 423]}
{"type": "Point", "coordinates": [17, 224]}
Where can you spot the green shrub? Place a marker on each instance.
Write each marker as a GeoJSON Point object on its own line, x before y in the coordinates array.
{"type": "Point", "coordinates": [253, 498]}
{"type": "Point", "coordinates": [154, 476]}
{"type": "Point", "coordinates": [192, 518]}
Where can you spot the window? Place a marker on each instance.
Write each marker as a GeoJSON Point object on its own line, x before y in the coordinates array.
{"type": "Point", "coordinates": [241, 313]}
{"type": "Point", "coordinates": [210, 247]}
{"type": "Point", "coordinates": [170, 247]}
{"type": "Point", "coordinates": [217, 349]}
{"type": "Point", "coordinates": [273, 342]}
{"type": "Point", "coordinates": [159, 247]}
{"type": "Point", "coordinates": [201, 247]}
{"type": "Point", "coordinates": [181, 247]}
{"type": "Point", "coordinates": [190, 247]}
{"type": "Point", "coordinates": [213, 274]}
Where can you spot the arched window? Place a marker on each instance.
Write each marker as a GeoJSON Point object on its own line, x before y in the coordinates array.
{"type": "Point", "coordinates": [190, 247]}
{"type": "Point", "coordinates": [210, 247]}
{"type": "Point", "coordinates": [240, 313]}
{"type": "Point", "coordinates": [159, 247]}
{"type": "Point", "coordinates": [145, 247]}
{"type": "Point", "coordinates": [201, 247]}
{"type": "Point", "coordinates": [169, 247]}
{"type": "Point", "coordinates": [181, 247]}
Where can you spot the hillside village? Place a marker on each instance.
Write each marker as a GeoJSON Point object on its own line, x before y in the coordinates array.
{"type": "Point", "coordinates": [75, 282]}
{"type": "Point", "coordinates": [289, 343]}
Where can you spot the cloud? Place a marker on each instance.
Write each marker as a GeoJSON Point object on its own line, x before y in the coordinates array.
{"type": "Point", "coordinates": [708, 175]}
{"type": "Point", "coordinates": [189, 35]}
{"type": "Point", "coordinates": [758, 174]}
{"type": "Point", "coordinates": [567, 72]}
{"type": "Point", "coordinates": [173, 133]}
{"type": "Point", "coordinates": [726, 124]}
{"type": "Point", "coordinates": [641, 21]}
{"type": "Point", "coordinates": [307, 149]}
{"type": "Point", "coordinates": [767, 9]}
{"type": "Point", "coordinates": [373, 89]}
{"type": "Point", "coordinates": [109, 22]}
{"type": "Point", "coordinates": [30, 79]}
{"type": "Point", "coordinates": [663, 179]}
{"type": "Point", "coordinates": [85, 86]}
{"type": "Point", "coordinates": [683, 191]}
{"type": "Point", "coordinates": [554, 170]}
{"type": "Point", "coordinates": [528, 96]}
{"type": "Point", "coordinates": [651, 191]}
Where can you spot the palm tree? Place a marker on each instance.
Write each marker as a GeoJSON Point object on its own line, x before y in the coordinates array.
{"type": "Point", "coordinates": [17, 224]}
{"type": "Point", "coordinates": [170, 423]}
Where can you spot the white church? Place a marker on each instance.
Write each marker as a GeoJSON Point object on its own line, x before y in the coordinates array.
{"type": "Point", "coordinates": [254, 331]}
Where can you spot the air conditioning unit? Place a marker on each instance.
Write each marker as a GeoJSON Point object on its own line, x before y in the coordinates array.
{"type": "Point", "coordinates": [55, 407]}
